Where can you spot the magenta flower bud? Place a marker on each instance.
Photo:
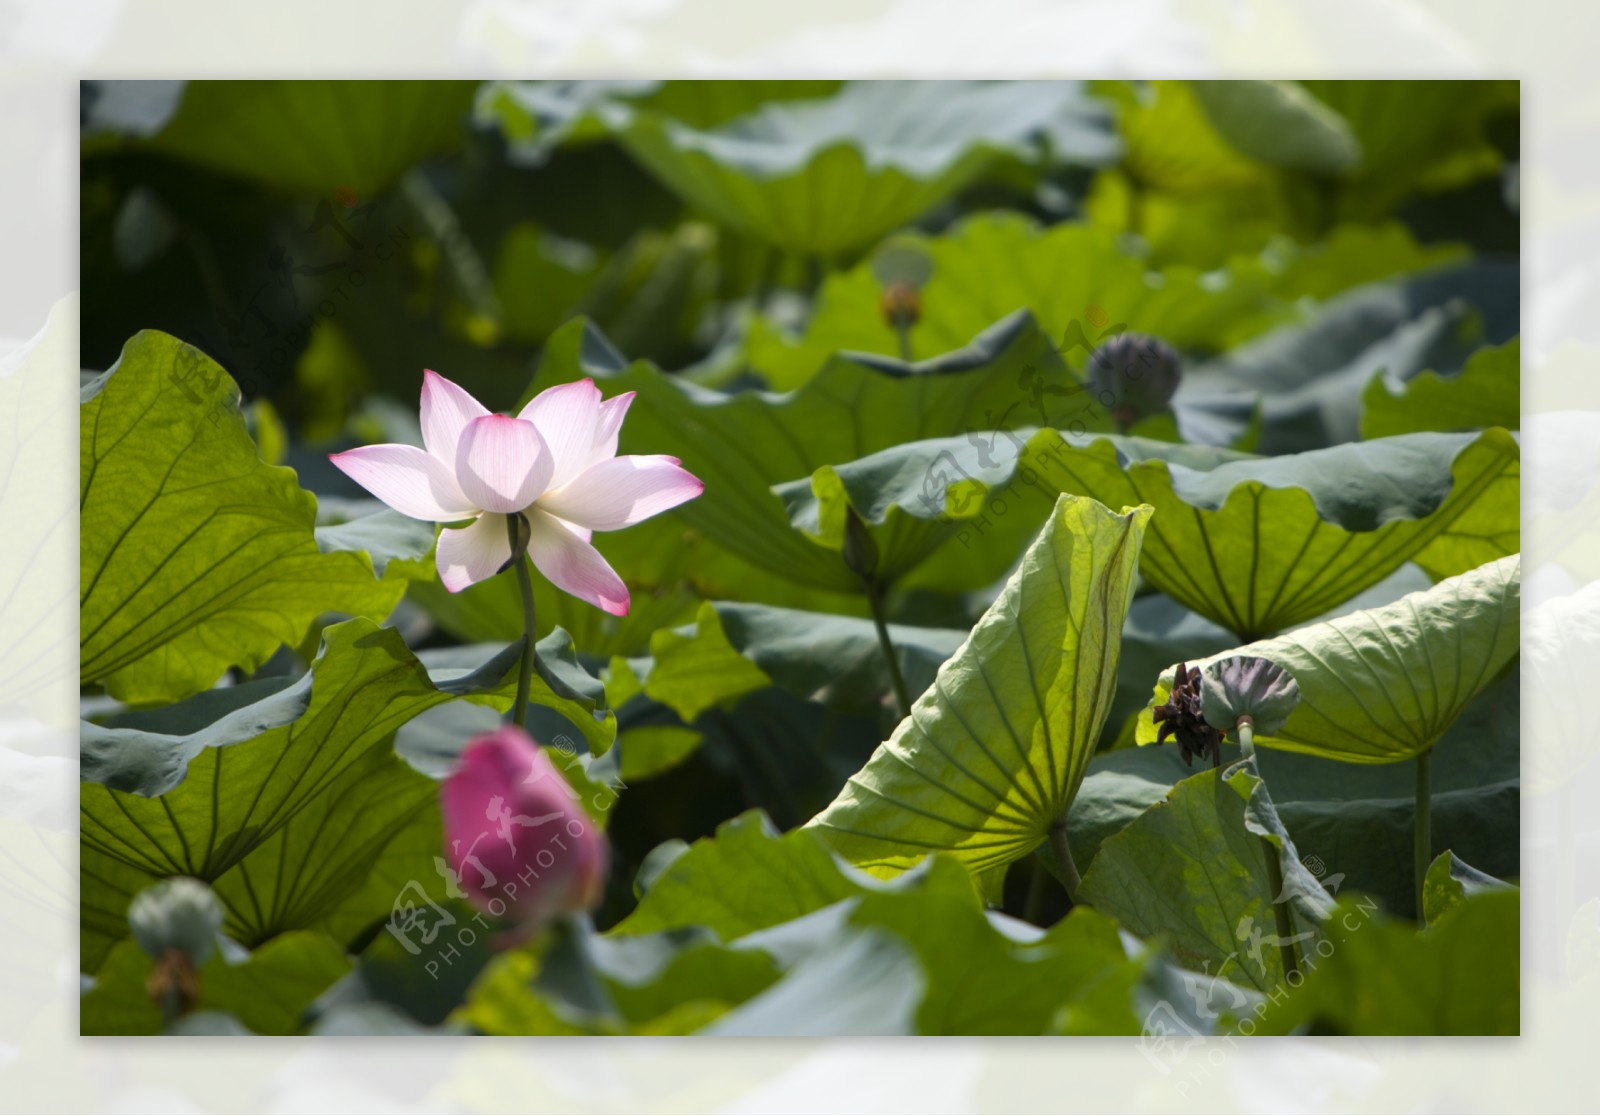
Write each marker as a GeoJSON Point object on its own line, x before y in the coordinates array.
{"type": "Point", "coordinates": [517, 839]}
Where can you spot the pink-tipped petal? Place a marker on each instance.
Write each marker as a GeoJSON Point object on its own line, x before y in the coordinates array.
{"type": "Point", "coordinates": [612, 412]}
{"type": "Point", "coordinates": [502, 464]}
{"type": "Point", "coordinates": [446, 410]}
{"type": "Point", "coordinates": [621, 491]}
{"type": "Point", "coordinates": [567, 415]}
{"type": "Point", "coordinates": [573, 566]}
{"type": "Point", "coordinates": [409, 480]}
{"type": "Point", "coordinates": [472, 554]}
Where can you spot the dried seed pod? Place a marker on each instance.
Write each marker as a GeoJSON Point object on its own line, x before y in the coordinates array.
{"type": "Point", "coordinates": [1179, 716]}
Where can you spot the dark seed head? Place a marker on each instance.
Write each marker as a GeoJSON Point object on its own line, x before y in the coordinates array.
{"type": "Point", "coordinates": [1135, 376]}
{"type": "Point", "coordinates": [1179, 716]}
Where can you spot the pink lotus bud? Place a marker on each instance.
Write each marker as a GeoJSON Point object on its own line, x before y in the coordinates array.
{"type": "Point", "coordinates": [516, 836]}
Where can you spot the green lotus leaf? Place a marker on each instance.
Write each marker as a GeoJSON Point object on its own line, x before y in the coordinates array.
{"type": "Point", "coordinates": [1414, 136]}
{"type": "Point", "coordinates": [267, 992]}
{"type": "Point", "coordinates": [387, 537]}
{"type": "Point", "coordinates": [1193, 871]}
{"type": "Point", "coordinates": [152, 799]}
{"type": "Point", "coordinates": [656, 984]}
{"type": "Point", "coordinates": [1257, 544]}
{"type": "Point", "coordinates": [749, 877]}
{"type": "Point", "coordinates": [979, 974]}
{"type": "Point", "coordinates": [491, 611]}
{"type": "Point", "coordinates": [1450, 882]}
{"type": "Point", "coordinates": [310, 137]}
{"type": "Point", "coordinates": [669, 569]}
{"type": "Point", "coordinates": [742, 443]}
{"type": "Point", "coordinates": [537, 116]}
{"type": "Point", "coordinates": [983, 493]}
{"type": "Point", "coordinates": [773, 750]}
{"type": "Point", "coordinates": [1459, 977]}
{"type": "Point", "coordinates": [336, 866]}
{"type": "Point", "coordinates": [1354, 255]}
{"type": "Point", "coordinates": [647, 751]}
{"type": "Point", "coordinates": [195, 556]}
{"type": "Point", "coordinates": [1383, 684]}
{"type": "Point", "coordinates": [1279, 124]}
{"type": "Point", "coordinates": [1486, 392]}
{"type": "Point", "coordinates": [895, 148]}
{"type": "Point", "coordinates": [1080, 282]}
{"type": "Point", "coordinates": [993, 753]}
{"type": "Point", "coordinates": [312, 867]}
{"type": "Point", "coordinates": [1171, 143]}
{"type": "Point", "coordinates": [1352, 823]}
{"type": "Point", "coordinates": [867, 985]}
{"type": "Point", "coordinates": [1308, 378]}
{"type": "Point", "coordinates": [736, 649]}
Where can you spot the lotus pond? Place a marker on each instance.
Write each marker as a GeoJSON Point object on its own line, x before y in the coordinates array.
{"type": "Point", "coordinates": [800, 558]}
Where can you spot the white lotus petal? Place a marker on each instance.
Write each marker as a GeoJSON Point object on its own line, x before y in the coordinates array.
{"type": "Point", "coordinates": [622, 491]}
{"type": "Point", "coordinates": [572, 565]}
{"type": "Point", "coordinates": [502, 464]}
{"type": "Point", "coordinates": [471, 554]}
{"type": "Point", "coordinates": [446, 410]}
{"type": "Point", "coordinates": [568, 416]}
{"type": "Point", "coordinates": [409, 480]}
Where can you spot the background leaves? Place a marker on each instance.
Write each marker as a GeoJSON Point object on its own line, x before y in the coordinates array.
{"type": "Point", "coordinates": [863, 306]}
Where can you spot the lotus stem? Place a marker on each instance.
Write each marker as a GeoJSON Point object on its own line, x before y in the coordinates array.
{"type": "Point", "coordinates": [1422, 852]}
{"type": "Point", "coordinates": [1069, 867]}
{"type": "Point", "coordinates": [1280, 909]}
{"type": "Point", "coordinates": [1035, 899]}
{"type": "Point", "coordinates": [1246, 729]}
{"type": "Point", "coordinates": [902, 328]}
{"type": "Point", "coordinates": [519, 559]}
{"type": "Point", "coordinates": [1281, 914]}
{"type": "Point", "coordinates": [896, 679]}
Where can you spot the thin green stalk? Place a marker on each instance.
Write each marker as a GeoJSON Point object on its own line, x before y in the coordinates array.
{"type": "Point", "coordinates": [1035, 900]}
{"type": "Point", "coordinates": [1281, 915]}
{"type": "Point", "coordinates": [875, 601]}
{"type": "Point", "coordinates": [1422, 850]}
{"type": "Point", "coordinates": [1063, 853]}
{"type": "Point", "coordinates": [519, 559]}
{"type": "Point", "coordinates": [902, 328]}
{"type": "Point", "coordinates": [1280, 909]}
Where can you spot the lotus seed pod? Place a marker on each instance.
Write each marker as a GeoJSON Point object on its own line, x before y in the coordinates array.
{"type": "Point", "coordinates": [1247, 686]}
{"type": "Point", "coordinates": [180, 914]}
{"type": "Point", "coordinates": [1134, 376]}
{"type": "Point", "coordinates": [902, 262]}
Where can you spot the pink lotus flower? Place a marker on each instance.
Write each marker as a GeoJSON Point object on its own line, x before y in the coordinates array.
{"type": "Point", "coordinates": [520, 845]}
{"type": "Point", "coordinates": [555, 463]}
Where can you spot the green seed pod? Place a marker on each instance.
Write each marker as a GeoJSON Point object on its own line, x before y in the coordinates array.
{"type": "Point", "coordinates": [902, 261]}
{"type": "Point", "coordinates": [178, 914]}
{"type": "Point", "coordinates": [1246, 686]}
